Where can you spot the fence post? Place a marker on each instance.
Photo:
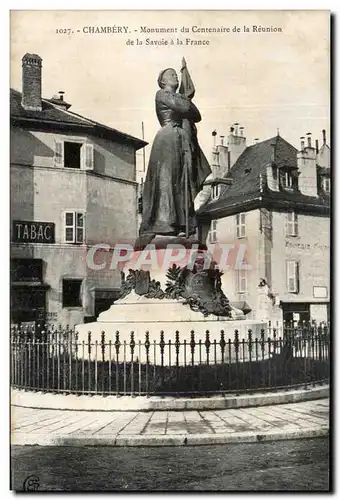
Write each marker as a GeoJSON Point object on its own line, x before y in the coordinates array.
{"type": "Point", "coordinates": [250, 347]}
{"type": "Point", "coordinates": [102, 346]}
{"type": "Point", "coordinates": [89, 361]}
{"type": "Point", "coordinates": [207, 345]}
{"type": "Point", "coordinates": [177, 345]}
{"type": "Point", "coordinates": [162, 345]}
{"type": "Point", "coordinates": [236, 347]}
{"type": "Point", "coordinates": [117, 347]}
{"type": "Point", "coordinates": [262, 345]}
{"type": "Point", "coordinates": [110, 366]}
{"type": "Point", "coordinates": [147, 349]}
{"type": "Point", "coordinates": [76, 358]}
{"type": "Point", "coordinates": [132, 349]}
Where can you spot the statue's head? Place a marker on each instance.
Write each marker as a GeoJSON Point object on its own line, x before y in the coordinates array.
{"type": "Point", "coordinates": [168, 78]}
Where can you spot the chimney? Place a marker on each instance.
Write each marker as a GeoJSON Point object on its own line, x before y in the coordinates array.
{"type": "Point", "coordinates": [236, 144]}
{"type": "Point", "coordinates": [306, 162]}
{"type": "Point", "coordinates": [256, 140]}
{"type": "Point", "coordinates": [31, 82]}
{"type": "Point", "coordinates": [309, 139]}
{"type": "Point", "coordinates": [241, 131]}
{"type": "Point", "coordinates": [316, 145]}
{"type": "Point", "coordinates": [222, 140]}
{"type": "Point", "coordinates": [324, 153]}
{"type": "Point", "coordinates": [58, 100]}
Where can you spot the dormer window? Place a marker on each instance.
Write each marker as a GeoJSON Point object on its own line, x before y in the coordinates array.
{"type": "Point", "coordinates": [286, 179]}
{"type": "Point", "coordinates": [215, 191]}
{"type": "Point", "coordinates": [326, 184]}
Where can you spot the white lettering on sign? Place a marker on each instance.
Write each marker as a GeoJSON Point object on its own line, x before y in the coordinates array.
{"type": "Point", "coordinates": [31, 232]}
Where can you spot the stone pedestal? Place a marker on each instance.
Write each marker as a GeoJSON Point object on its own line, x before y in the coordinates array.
{"type": "Point", "coordinates": [150, 305]}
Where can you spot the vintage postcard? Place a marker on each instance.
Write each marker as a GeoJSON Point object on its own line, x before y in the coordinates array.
{"type": "Point", "coordinates": [170, 193]}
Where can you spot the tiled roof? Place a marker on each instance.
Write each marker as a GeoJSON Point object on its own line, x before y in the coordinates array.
{"type": "Point", "coordinates": [245, 189]}
{"type": "Point", "coordinates": [51, 114]}
{"type": "Point", "coordinates": [254, 161]}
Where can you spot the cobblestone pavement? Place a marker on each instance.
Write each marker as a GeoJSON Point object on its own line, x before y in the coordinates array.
{"type": "Point", "coordinates": [64, 427]}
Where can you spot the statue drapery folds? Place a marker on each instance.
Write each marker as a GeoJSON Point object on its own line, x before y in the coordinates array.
{"type": "Point", "coordinates": [177, 167]}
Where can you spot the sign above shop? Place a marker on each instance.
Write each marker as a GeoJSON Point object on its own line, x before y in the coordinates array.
{"type": "Point", "coordinates": [33, 232]}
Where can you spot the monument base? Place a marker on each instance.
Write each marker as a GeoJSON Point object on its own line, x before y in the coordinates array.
{"type": "Point", "coordinates": [176, 304]}
{"type": "Point", "coordinates": [140, 315]}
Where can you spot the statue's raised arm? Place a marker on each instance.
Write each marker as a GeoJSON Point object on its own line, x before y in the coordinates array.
{"type": "Point", "coordinates": [177, 167]}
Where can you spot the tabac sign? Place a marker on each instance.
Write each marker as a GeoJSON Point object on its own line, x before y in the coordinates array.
{"type": "Point", "coordinates": [33, 232]}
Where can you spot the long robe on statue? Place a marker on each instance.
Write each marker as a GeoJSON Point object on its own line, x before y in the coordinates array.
{"type": "Point", "coordinates": [175, 150]}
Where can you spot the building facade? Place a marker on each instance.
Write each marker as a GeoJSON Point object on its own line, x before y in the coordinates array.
{"type": "Point", "coordinates": [73, 185]}
{"type": "Point", "coordinates": [277, 205]}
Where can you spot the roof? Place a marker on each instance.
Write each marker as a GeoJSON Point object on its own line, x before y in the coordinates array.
{"type": "Point", "coordinates": [245, 192]}
{"type": "Point", "coordinates": [52, 116]}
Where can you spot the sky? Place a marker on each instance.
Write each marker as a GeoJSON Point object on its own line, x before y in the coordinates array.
{"type": "Point", "coordinates": [264, 81]}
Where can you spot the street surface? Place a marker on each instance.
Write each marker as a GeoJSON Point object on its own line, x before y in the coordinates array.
{"type": "Point", "coordinates": [299, 465]}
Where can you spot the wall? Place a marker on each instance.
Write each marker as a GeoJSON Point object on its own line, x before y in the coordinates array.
{"type": "Point", "coordinates": [268, 253]}
{"type": "Point", "coordinates": [42, 192]}
{"type": "Point", "coordinates": [37, 148]}
{"type": "Point", "coordinates": [311, 247]}
{"type": "Point", "coordinates": [226, 234]}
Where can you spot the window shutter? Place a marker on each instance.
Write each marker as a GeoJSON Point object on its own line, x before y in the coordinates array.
{"type": "Point", "coordinates": [242, 281]}
{"type": "Point", "coordinates": [87, 156]}
{"type": "Point", "coordinates": [297, 278]}
{"type": "Point", "coordinates": [243, 224]}
{"type": "Point", "coordinates": [293, 281]}
{"type": "Point", "coordinates": [58, 153]}
{"type": "Point", "coordinates": [69, 227]}
{"type": "Point", "coordinates": [80, 227]}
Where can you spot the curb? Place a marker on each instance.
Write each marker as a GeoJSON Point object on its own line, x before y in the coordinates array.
{"type": "Point", "coordinates": [50, 401]}
{"type": "Point", "coordinates": [23, 439]}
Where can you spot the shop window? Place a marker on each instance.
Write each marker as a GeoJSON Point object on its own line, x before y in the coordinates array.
{"type": "Point", "coordinates": [72, 293]}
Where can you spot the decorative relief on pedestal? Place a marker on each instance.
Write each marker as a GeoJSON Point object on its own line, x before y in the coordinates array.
{"type": "Point", "coordinates": [200, 288]}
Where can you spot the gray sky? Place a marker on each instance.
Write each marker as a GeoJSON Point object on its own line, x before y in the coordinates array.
{"type": "Point", "coordinates": [264, 81]}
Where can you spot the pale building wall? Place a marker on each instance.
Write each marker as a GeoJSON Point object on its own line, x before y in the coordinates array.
{"type": "Point", "coordinates": [311, 248]}
{"type": "Point", "coordinates": [42, 192]}
{"type": "Point", "coordinates": [37, 148]}
{"type": "Point", "coordinates": [226, 234]}
{"type": "Point", "coordinates": [269, 251]}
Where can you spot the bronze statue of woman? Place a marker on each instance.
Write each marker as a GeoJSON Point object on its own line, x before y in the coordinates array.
{"type": "Point", "coordinates": [177, 167]}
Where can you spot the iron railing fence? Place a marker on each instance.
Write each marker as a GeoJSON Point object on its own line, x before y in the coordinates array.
{"type": "Point", "coordinates": [56, 360]}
